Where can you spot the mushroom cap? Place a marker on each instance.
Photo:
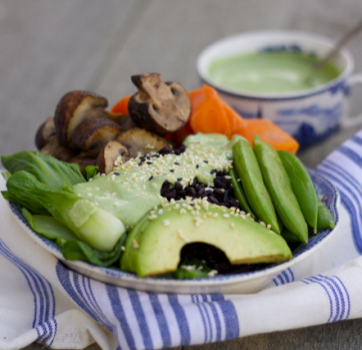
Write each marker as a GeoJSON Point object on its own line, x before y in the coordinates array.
{"type": "Point", "coordinates": [142, 141]}
{"type": "Point", "coordinates": [94, 133]}
{"type": "Point", "coordinates": [45, 131]}
{"type": "Point", "coordinates": [109, 154]}
{"type": "Point", "coordinates": [157, 106]}
{"type": "Point", "coordinates": [74, 108]}
{"type": "Point", "coordinates": [58, 151]}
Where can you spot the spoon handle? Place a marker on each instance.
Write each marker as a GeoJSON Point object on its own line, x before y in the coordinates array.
{"type": "Point", "coordinates": [341, 43]}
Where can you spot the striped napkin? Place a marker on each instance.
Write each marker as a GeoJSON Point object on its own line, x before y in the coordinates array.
{"type": "Point", "coordinates": [41, 300]}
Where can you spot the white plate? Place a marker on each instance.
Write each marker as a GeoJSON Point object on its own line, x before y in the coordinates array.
{"type": "Point", "coordinates": [248, 282]}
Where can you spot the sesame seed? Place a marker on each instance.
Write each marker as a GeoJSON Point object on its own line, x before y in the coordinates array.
{"type": "Point", "coordinates": [226, 216]}
{"type": "Point", "coordinates": [215, 215]}
{"type": "Point", "coordinates": [262, 223]}
{"type": "Point", "coordinates": [232, 225]}
{"type": "Point", "coordinates": [166, 222]}
{"type": "Point", "coordinates": [160, 212]}
{"type": "Point", "coordinates": [268, 226]}
{"type": "Point", "coordinates": [154, 185]}
{"type": "Point", "coordinates": [123, 248]}
{"type": "Point", "coordinates": [182, 211]}
{"type": "Point", "coordinates": [135, 244]}
{"type": "Point", "coordinates": [143, 187]}
{"type": "Point", "coordinates": [212, 273]}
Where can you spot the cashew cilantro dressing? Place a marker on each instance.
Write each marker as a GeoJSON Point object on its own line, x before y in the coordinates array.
{"type": "Point", "coordinates": [132, 190]}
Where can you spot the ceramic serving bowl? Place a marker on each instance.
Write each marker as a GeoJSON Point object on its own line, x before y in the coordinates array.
{"type": "Point", "coordinates": [226, 284]}
{"type": "Point", "coordinates": [310, 115]}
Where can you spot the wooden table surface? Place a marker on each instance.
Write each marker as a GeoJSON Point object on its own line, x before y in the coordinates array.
{"type": "Point", "coordinates": [48, 48]}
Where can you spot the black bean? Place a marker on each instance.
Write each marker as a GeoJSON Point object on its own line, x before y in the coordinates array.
{"type": "Point", "coordinates": [192, 192]}
{"type": "Point", "coordinates": [200, 192]}
{"type": "Point", "coordinates": [197, 166]}
{"type": "Point", "coordinates": [178, 186]}
{"type": "Point", "coordinates": [212, 199]}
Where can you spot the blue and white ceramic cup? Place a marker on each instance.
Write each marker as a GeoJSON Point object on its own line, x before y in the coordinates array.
{"type": "Point", "coordinates": [309, 115]}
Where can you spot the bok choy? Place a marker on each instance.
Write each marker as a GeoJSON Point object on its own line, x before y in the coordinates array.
{"type": "Point", "coordinates": [43, 184]}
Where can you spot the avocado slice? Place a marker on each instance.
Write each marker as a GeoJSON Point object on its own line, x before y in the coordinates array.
{"type": "Point", "coordinates": [153, 246]}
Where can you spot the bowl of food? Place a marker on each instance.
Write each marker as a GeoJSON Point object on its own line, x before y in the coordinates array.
{"type": "Point", "coordinates": [212, 214]}
{"type": "Point", "coordinates": [269, 74]}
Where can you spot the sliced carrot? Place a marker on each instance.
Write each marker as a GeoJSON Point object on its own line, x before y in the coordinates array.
{"type": "Point", "coordinates": [208, 115]}
{"type": "Point", "coordinates": [269, 133]}
{"type": "Point", "coordinates": [237, 123]}
{"type": "Point", "coordinates": [121, 106]}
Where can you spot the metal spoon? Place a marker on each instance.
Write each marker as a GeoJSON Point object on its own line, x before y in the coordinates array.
{"type": "Point", "coordinates": [330, 54]}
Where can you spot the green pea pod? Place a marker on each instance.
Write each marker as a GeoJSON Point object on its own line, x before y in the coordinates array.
{"type": "Point", "coordinates": [239, 193]}
{"type": "Point", "coordinates": [288, 236]}
{"type": "Point", "coordinates": [325, 218]}
{"type": "Point", "coordinates": [302, 186]}
{"type": "Point", "coordinates": [277, 182]}
{"type": "Point", "coordinates": [247, 169]}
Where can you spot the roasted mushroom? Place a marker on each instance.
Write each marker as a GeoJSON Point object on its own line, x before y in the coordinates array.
{"type": "Point", "coordinates": [94, 133]}
{"type": "Point", "coordinates": [127, 123]}
{"type": "Point", "coordinates": [45, 131]}
{"type": "Point", "coordinates": [139, 140]}
{"type": "Point", "coordinates": [74, 108]}
{"type": "Point", "coordinates": [55, 149]}
{"type": "Point", "coordinates": [159, 107]}
{"type": "Point", "coordinates": [109, 154]}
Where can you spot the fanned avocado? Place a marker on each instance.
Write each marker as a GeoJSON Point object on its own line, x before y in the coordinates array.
{"type": "Point", "coordinates": [153, 247]}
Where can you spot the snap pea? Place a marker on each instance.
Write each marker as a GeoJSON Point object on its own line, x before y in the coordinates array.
{"type": "Point", "coordinates": [302, 186]}
{"type": "Point", "coordinates": [239, 193]}
{"type": "Point", "coordinates": [288, 236]}
{"type": "Point", "coordinates": [277, 182]}
{"type": "Point", "coordinates": [247, 169]}
{"type": "Point", "coordinates": [325, 218]}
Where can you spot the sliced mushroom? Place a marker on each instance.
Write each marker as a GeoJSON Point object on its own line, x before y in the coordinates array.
{"type": "Point", "coordinates": [139, 140]}
{"type": "Point", "coordinates": [74, 108]}
{"type": "Point", "coordinates": [127, 123]}
{"type": "Point", "coordinates": [94, 133]}
{"type": "Point", "coordinates": [159, 107]}
{"type": "Point", "coordinates": [45, 131]}
{"type": "Point", "coordinates": [109, 154]}
{"type": "Point", "coordinates": [58, 151]}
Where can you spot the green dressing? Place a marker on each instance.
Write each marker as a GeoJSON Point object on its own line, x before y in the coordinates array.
{"type": "Point", "coordinates": [270, 72]}
{"type": "Point", "coordinates": [136, 190]}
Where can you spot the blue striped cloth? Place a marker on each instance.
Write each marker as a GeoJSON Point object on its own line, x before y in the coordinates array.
{"type": "Point", "coordinates": [41, 300]}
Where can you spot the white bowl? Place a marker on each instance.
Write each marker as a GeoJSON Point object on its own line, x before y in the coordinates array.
{"type": "Point", "coordinates": [249, 282]}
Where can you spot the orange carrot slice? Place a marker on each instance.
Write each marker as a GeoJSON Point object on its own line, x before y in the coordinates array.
{"type": "Point", "coordinates": [269, 133]}
{"type": "Point", "coordinates": [208, 115]}
{"type": "Point", "coordinates": [121, 106]}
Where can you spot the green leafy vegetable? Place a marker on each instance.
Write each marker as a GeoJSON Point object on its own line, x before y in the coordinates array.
{"type": "Point", "coordinates": [76, 250]}
{"type": "Point", "coordinates": [45, 168]}
{"type": "Point", "coordinates": [91, 171]}
{"type": "Point", "coordinates": [190, 269]}
{"type": "Point", "coordinates": [49, 227]}
{"type": "Point", "coordinates": [92, 225]}
{"type": "Point", "coordinates": [70, 246]}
